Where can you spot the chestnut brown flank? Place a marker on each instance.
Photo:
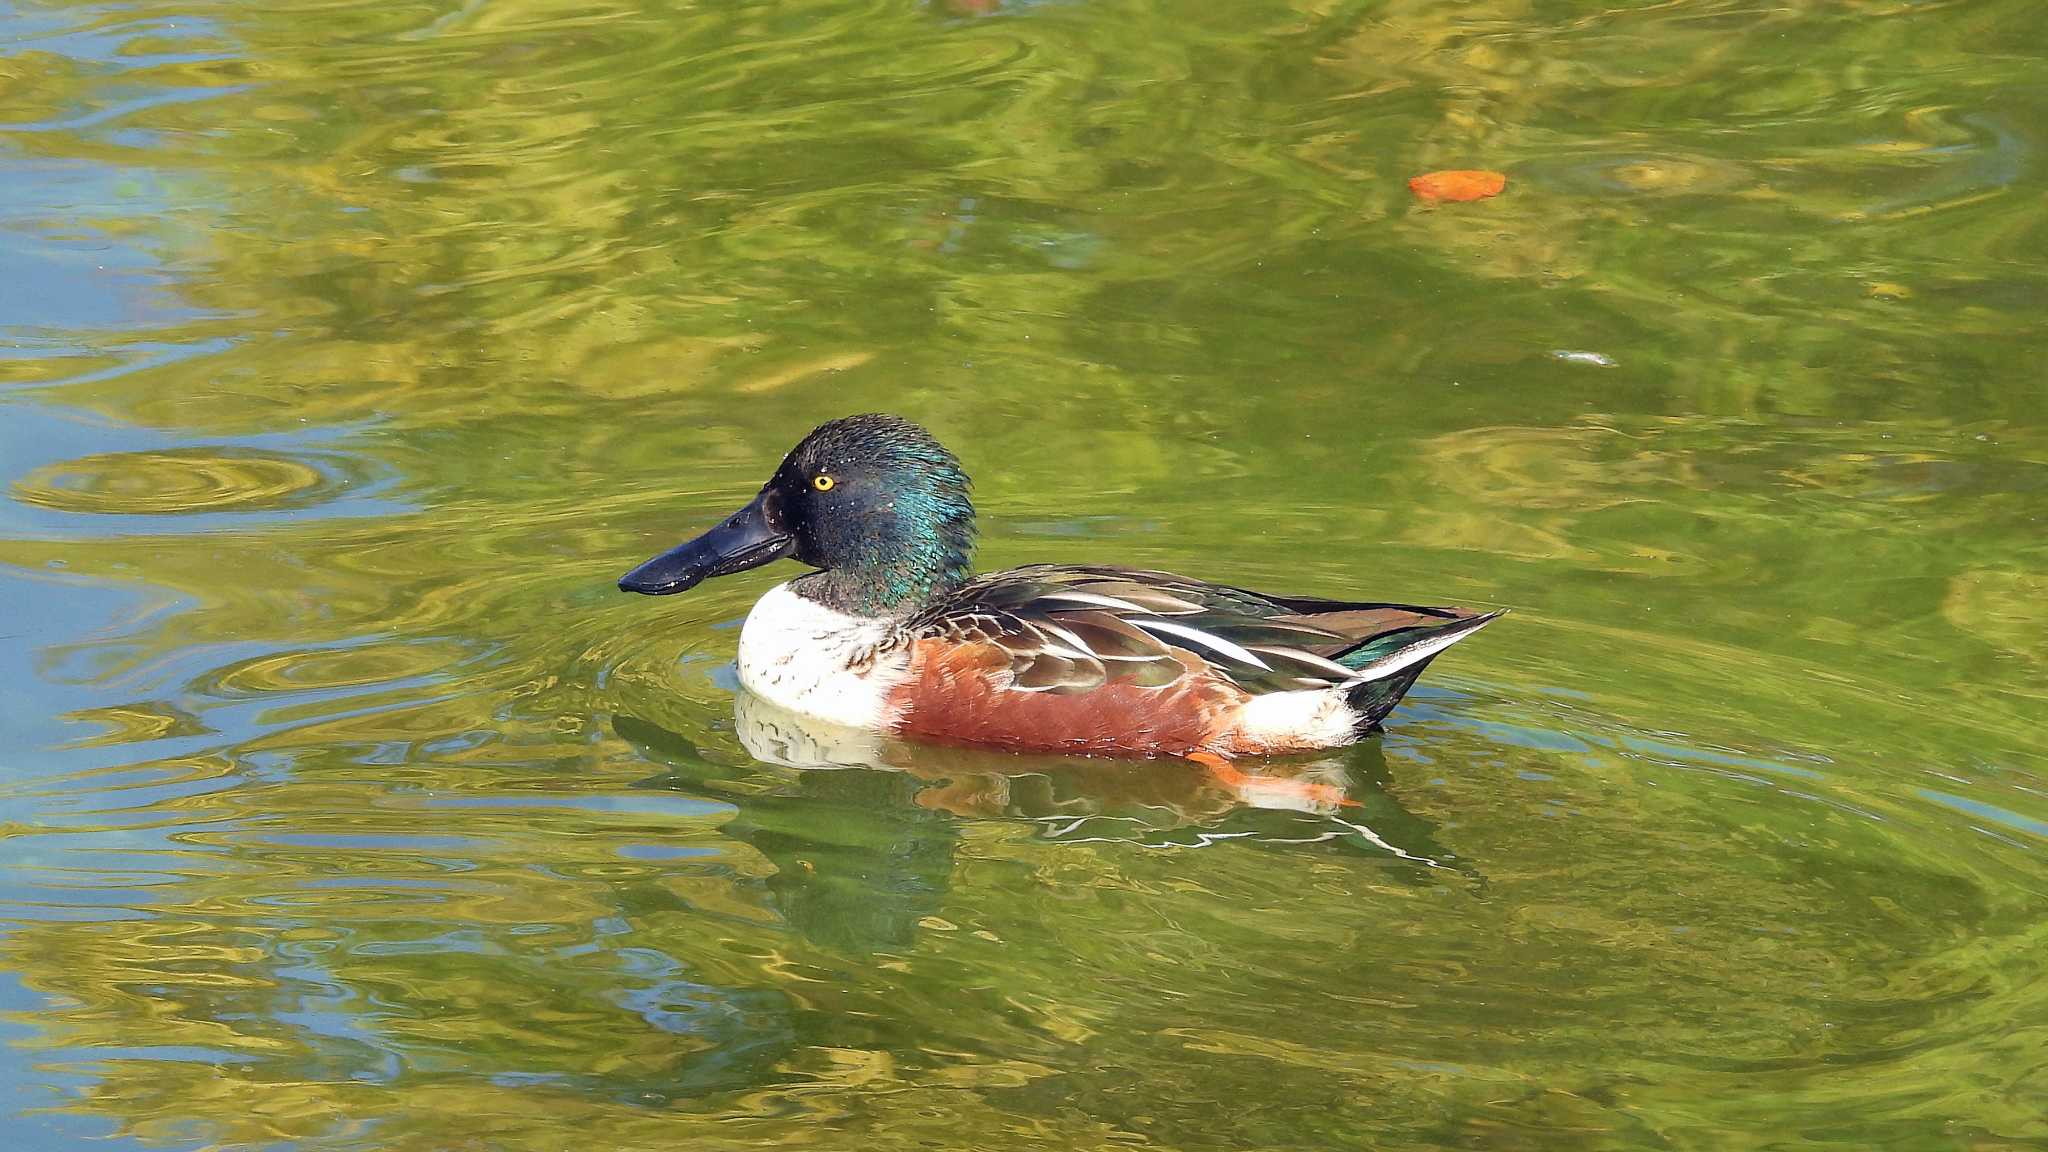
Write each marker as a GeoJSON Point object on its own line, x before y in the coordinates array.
{"type": "Point", "coordinates": [956, 693]}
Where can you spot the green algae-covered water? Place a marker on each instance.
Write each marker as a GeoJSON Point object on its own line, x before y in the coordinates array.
{"type": "Point", "coordinates": [352, 350]}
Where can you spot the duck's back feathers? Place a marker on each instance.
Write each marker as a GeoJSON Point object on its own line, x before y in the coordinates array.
{"type": "Point", "coordinates": [1127, 660]}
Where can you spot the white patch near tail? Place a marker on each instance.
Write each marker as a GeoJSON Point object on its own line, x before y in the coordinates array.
{"type": "Point", "coordinates": [1297, 721]}
{"type": "Point", "coordinates": [1323, 717]}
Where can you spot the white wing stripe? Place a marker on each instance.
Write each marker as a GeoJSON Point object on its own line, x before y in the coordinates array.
{"type": "Point", "coordinates": [1074, 597]}
{"type": "Point", "coordinates": [1309, 658]}
{"type": "Point", "coordinates": [1065, 634]}
{"type": "Point", "coordinates": [1086, 652]}
{"type": "Point", "coordinates": [1214, 643]}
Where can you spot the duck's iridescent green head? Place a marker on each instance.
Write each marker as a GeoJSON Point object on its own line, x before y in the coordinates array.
{"type": "Point", "coordinates": [872, 500]}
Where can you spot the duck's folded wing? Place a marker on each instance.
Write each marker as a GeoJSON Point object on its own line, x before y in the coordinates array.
{"type": "Point", "coordinates": [1072, 629]}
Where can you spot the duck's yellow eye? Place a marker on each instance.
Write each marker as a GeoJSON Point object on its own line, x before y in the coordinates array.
{"type": "Point", "coordinates": [822, 482]}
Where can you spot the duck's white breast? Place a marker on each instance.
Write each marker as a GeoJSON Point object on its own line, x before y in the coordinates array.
{"type": "Point", "coordinates": [815, 660]}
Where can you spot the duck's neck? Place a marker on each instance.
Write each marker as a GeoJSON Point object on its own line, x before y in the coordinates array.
{"type": "Point", "coordinates": [896, 588]}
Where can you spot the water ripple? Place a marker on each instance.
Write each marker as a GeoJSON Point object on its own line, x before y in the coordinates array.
{"type": "Point", "coordinates": [180, 481]}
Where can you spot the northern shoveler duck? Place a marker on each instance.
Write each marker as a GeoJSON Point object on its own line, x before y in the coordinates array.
{"type": "Point", "coordinates": [894, 633]}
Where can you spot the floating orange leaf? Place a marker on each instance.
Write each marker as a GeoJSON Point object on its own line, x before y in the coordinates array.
{"type": "Point", "coordinates": [1458, 184]}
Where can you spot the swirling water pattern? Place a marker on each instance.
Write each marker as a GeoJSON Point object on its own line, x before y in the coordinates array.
{"type": "Point", "coordinates": [348, 352]}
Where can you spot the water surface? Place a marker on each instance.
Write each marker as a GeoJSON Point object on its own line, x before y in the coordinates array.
{"type": "Point", "coordinates": [352, 350]}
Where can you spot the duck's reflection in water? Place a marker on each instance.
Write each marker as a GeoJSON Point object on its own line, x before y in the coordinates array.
{"type": "Point", "coordinates": [863, 839]}
{"type": "Point", "coordinates": [1076, 797]}
{"type": "Point", "coordinates": [882, 815]}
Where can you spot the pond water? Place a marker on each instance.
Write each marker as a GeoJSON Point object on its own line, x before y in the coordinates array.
{"type": "Point", "coordinates": [352, 350]}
